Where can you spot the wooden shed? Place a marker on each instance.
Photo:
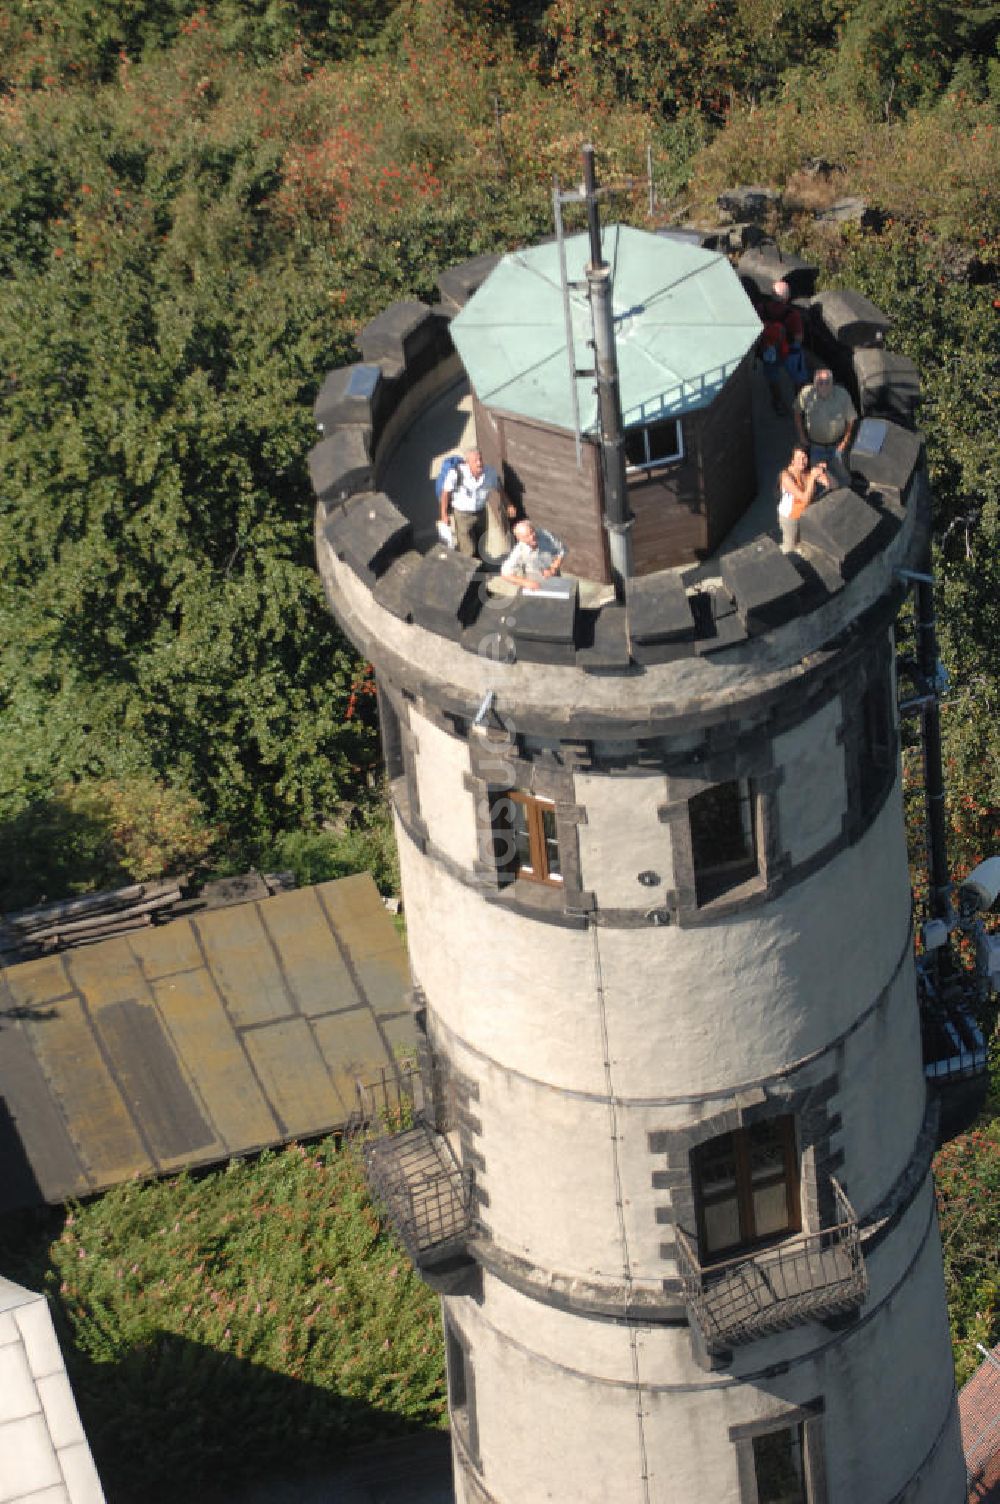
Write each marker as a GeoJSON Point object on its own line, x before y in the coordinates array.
{"type": "Point", "coordinates": [684, 334]}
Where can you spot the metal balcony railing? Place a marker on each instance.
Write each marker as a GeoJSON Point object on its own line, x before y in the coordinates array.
{"type": "Point", "coordinates": [954, 1047]}
{"type": "Point", "coordinates": [390, 1100]}
{"type": "Point", "coordinates": [424, 1192]}
{"type": "Point", "coordinates": [808, 1277]}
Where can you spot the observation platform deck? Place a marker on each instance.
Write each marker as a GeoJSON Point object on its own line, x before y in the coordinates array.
{"type": "Point", "coordinates": [403, 596]}
{"type": "Point", "coordinates": [447, 427]}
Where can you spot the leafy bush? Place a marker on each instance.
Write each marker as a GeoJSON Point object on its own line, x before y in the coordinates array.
{"type": "Point", "coordinates": [100, 834]}
{"type": "Point", "coordinates": [367, 844]}
{"type": "Point", "coordinates": [967, 1179]}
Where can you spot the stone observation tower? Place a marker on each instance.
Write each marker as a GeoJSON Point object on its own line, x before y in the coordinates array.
{"type": "Point", "coordinates": [672, 1176]}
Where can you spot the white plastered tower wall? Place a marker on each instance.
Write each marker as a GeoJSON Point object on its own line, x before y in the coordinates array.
{"type": "Point", "coordinates": [586, 1039]}
{"type": "Point", "coordinates": [815, 984]}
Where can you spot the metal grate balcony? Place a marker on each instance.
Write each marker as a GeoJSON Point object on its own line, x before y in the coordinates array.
{"type": "Point", "coordinates": [953, 1043]}
{"type": "Point", "coordinates": [810, 1277]}
{"type": "Point", "coordinates": [426, 1195]}
{"type": "Point", "coordinates": [956, 1063]}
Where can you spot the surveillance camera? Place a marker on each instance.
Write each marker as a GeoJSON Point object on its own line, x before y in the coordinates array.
{"type": "Point", "coordinates": [980, 889]}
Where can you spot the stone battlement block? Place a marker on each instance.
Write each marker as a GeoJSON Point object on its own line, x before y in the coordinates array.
{"type": "Point", "coordinates": [350, 395]}
{"type": "Point", "coordinates": [340, 466]}
{"type": "Point", "coordinates": [445, 592]}
{"type": "Point", "coordinates": [848, 319]}
{"type": "Point", "coordinates": [658, 609]}
{"type": "Point", "coordinates": [406, 336]}
{"type": "Point", "coordinates": [764, 584]}
{"type": "Point", "coordinates": [457, 284]}
{"type": "Point", "coordinates": [842, 527]}
{"type": "Point", "coordinates": [887, 457]}
{"type": "Point", "coordinates": [368, 534]}
{"type": "Point", "coordinates": [888, 384]}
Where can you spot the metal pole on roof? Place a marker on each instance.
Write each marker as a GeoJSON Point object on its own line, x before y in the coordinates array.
{"type": "Point", "coordinates": [617, 518]}
{"type": "Point", "coordinates": [557, 203]}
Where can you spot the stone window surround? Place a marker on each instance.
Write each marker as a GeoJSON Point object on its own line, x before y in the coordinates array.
{"type": "Point", "coordinates": [756, 767]}
{"type": "Point", "coordinates": [875, 670]}
{"type": "Point", "coordinates": [399, 756]}
{"type": "Point", "coordinates": [496, 764]}
{"type": "Point", "coordinates": [810, 1417]}
{"type": "Point", "coordinates": [390, 732]}
{"type": "Point", "coordinates": [815, 1126]}
{"type": "Point", "coordinates": [450, 1098]}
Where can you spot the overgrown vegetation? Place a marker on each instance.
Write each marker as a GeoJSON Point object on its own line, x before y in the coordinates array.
{"type": "Point", "coordinates": [220, 1327]}
{"type": "Point", "coordinates": [967, 1176]}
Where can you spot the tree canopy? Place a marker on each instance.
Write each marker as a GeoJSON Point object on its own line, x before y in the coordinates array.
{"type": "Point", "coordinates": [200, 207]}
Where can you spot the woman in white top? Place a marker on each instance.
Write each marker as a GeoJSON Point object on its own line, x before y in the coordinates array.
{"type": "Point", "coordinates": [797, 486]}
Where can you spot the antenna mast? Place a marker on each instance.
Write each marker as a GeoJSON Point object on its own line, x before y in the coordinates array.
{"type": "Point", "coordinates": [617, 518]}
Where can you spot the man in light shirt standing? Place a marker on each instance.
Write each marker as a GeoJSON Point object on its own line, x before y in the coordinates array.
{"type": "Point", "coordinates": [467, 490]}
{"type": "Point", "coordinates": [824, 421]}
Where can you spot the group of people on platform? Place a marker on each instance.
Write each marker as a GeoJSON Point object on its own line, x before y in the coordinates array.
{"type": "Point", "coordinates": [824, 414]}
{"type": "Point", "coordinates": [480, 520]}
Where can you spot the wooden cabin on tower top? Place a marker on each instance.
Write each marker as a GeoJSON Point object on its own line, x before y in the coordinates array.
{"type": "Point", "coordinates": [684, 335]}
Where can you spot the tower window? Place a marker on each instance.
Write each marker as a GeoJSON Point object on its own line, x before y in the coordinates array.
{"type": "Point", "coordinates": [392, 737]}
{"type": "Point", "coordinates": [653, 445]}
{"type": "Point", "coordinates": [779, 1467]}
{"type": "Point", "coordinates": [525, 841]}
{"type": "Point", "coordinates": [723, 838]}
{"type": "Point", "coordinates": [461, 1390]}
{"type": "Point", "coordinates": [781, 1461]}
{"type": "Point", "coordinates": [746, 1187]}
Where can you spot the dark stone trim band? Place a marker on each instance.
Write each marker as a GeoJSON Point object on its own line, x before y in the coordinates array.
{"type": "Point", "coordinates": [879, 1221]}
{"type": "Point", "coordinates": [728, 1380]}
{"type": "Point", "coordinates": [574, 907]}
{"type": "Point", "coordinates": [658, 1304]}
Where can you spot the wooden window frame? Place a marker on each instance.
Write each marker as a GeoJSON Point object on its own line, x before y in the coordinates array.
{"type": "Point", "coordinates": [717, 879]}
{"type": "Point", "coordinates": [749, 1241]}
{"type": "Point", "coordinates": [537, 868]}
{"type": "Point", "coordinates": [655, 464]}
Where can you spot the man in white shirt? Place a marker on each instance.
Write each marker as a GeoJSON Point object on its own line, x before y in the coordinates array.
{"type": "Point", "coordinates": [535, 557]}
{"type": "Point", "coordinates": [467, 488]}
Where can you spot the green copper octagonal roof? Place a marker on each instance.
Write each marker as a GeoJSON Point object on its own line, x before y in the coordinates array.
{"type": "Point", "coordinates": [682, 325]}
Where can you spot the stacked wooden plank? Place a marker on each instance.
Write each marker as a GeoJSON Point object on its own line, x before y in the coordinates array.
{"type": "Point", "coordinates": [82, 921]}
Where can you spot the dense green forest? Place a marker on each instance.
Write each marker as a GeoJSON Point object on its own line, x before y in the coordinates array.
{"type": "Point", "coordinates": [199, 207]}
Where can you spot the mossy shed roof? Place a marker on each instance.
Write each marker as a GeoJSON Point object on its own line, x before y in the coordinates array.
{"type": "Point", "coordinates": [682, 325]}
